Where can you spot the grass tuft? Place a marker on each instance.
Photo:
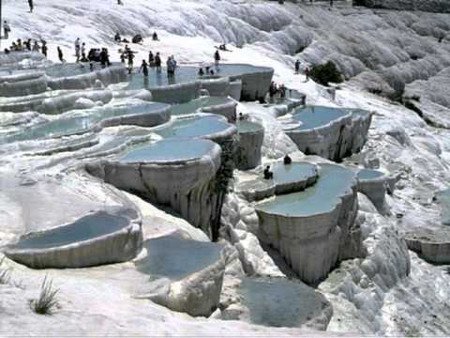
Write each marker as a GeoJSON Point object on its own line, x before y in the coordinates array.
{"type": "Point", "coordinates": [47, 301]}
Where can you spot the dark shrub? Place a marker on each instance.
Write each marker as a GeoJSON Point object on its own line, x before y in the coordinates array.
{"type": "Point", "coordinates": [326, 73]}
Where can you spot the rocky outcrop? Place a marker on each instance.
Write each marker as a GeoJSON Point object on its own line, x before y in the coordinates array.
{"type": "Point", "coordinates": [95, 239]}
{"type": "Point", "coordinates": [227, 109]}
{"type": "Point", "coordinates": [443, 199]}
{"type": "Point", "coordinates": [373, 183]}
{"type": "Point", "coordinates": [188, 274]}
{"type": "Point", "coordinates": [62, 103]}
{"type": "Point", "coordinates": [251, 136]}
{"type": "Point", "coordinates": [167, 174]}
{"type": "Point", "coordinates": [432, 245]}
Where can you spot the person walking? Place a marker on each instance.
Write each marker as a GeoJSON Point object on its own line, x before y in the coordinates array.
{"type": "Point", "coordinates": [6, 29]}
{"type": "Point", "coordinates": [144, 68]}
{"type": "Point", "coordinates": [60, 54]}
{"type": "Point", "coordinates": [30, 4]}
{"type": "Point", "coordinates": [307, 74]}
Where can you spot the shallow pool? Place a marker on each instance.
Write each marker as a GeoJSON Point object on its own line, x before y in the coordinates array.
{"type": "Point", "coordinates": [175, 258]}
{"type": "Point", "coordinates": [192, 106]}
{"type": "Point", "coordinates": [316, 116]}
{"type": "Point", "coordinates": [169, 151]}
{"type": "Point", "coordinates": [88, 227]}
{"type": "Point", "coordinates": [369, 174]}
{"type": "Point", "coordinates": [322, 197]}
{"type": "Point", "coordinates": [279, 302]}
{"type": "Point", "coordinates": [248, 127]}
{"type": "Point", "coordinates": [198, 126]}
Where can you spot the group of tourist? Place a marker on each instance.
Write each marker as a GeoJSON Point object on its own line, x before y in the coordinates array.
{"type": "Point", "coordinates": [28, 45]}
{"type": "Point", "coordinates": [275, 89]}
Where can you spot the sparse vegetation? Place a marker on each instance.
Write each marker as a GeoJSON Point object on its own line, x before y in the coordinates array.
{"type": "Point", "coordinates": [47, 302]}
{"type": "Point", "coordinates": [324, 74]}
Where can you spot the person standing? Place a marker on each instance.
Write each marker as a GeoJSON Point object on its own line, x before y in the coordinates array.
{"type": "Point", "coordinates": [60, 54]}
{"type": "Point", "coordinates": [30, 4]}
{"type": "Point", "coordinates": [217, 58]}
{"type": "Point", "coordinates": [297, 66]}
{"type": "Point", "coordinates": [6, 29]}
{"type": "Point", "coordinates": [307, 74]}
{"type": "Point", "coordinates": [151, 59]}
{"type": "Point", "coordinates": [144, 68]}
{"type": "Point", "coordinates": [130, 61]}
{"type": "Point", "coordinates": [158, 62]}
{"type": "Point", "coordinates": [36, 47]}
{"type": "Point", "coordinates": [77, 49]}
{"type": "Point", "coordinates": [44, 48]}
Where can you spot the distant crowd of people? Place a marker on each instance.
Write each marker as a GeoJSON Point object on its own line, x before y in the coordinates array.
{"type": "Point", "coordinates": [28, 45]}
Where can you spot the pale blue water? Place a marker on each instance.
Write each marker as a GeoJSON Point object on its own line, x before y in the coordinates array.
{"type": "Point", "coordinates": [192, 106]}
{"type": "Point", "coordinates": [279, 302]}
{"type": "Point", "coordinates": [194, 127]}
{"type": "Point", "coordinates": [369, 174]}
{"type": "Point", "coordinates": [294, 172]}
{"type": "Point", "coordinates": [88, 227]}
{"type": "Point", "coordinates": [82, 124]}
{"type": "Point", "coordinates": [248, 127]}
{"type": "Point", "coordinates": [316, 116]}
{"type": "Point", "coordinates": [169, 151]}
{"type": "Point", "coordinates": [443, 198]}
{"type": "Point", "coordinates": [175, 258]}
{"type": "Point", "coordinates": [186, 74]}
{"type": "Point", "coordinates": [321, 197]}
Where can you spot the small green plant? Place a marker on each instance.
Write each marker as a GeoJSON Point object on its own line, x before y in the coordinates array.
{"type": "Point", "coordinates": [5, 273]}
{"type": "Point", "coordinates": [47, 301]}
{"type": "Point", "coordinates": [324, 74]}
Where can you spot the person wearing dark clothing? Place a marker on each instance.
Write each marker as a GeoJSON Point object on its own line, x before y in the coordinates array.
{"type": "Point", "coordinates": [6, 29]}
{"type": "Point", "coordinates": [44, 48]}
{"type": "Point", "coordinates": [104, 58]}
{"type": "Point", "coordinates": [144, 68]}
{"type": "Point", "coordinates": [297, 66]}
{"type": "Point", "coordinates": [155, 36]}
{"type": "Point", "coordinates": [28, 44]}
{"type": "Point", "coordinates": [287, 159]}
{"type": "Point", "coordinates": [130, 59]}
{"type": "Point", "coordinates": [282, 91]}
{"type": "Point", "coordinates": [201, 72]}
{"type": "Point", "coordinates": [272, 90]}
{"type": "Point", "coordinates": [119, 2]}
{"type": "Point", "coordinates": [268, 175]}
{"type": "Point", "coordinates": [60, 54]}
{"type": "Point", "coordinates": [30, 4]}
{"type": "Point", "coordinates": [158, 62]}
{"type": "Point", "coordinates": [307, 74]}
{"type": "Point", "coordinates": [122, 57]}
{"type": "Point", "coordinates": [151, 59]}
{"type": "Point", "coordinates": [7, 51]}
{"type": "Point", "coordinates": [137, 38]}
{"type": "Point", "coordinates": [117, 38]}
{"type": "Point", "coordinates": [217, 57]}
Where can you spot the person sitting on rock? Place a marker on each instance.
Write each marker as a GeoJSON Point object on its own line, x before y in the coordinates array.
{"type": "Point", "coordinates": [268, 175]}
{"type": "Point", "coordinates": [155, 36]}
{"type": "Point", "coordinates": [117, 38]}
{"type": "Point", "coordinates": [287, 159]}
{"type": "Point", "coordinates": [201, 72]}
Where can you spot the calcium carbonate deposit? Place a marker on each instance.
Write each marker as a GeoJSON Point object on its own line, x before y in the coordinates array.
{"type": "Point", "coordinates": [225, 168]}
